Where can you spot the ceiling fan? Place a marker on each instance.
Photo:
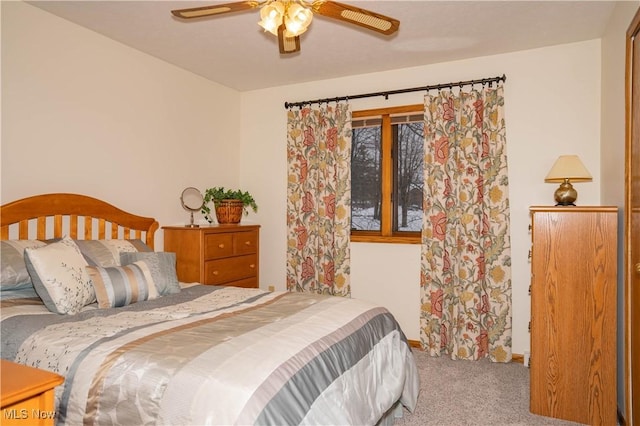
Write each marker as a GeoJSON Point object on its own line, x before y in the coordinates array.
{"type": "Point", "coordinates": [287, 19]}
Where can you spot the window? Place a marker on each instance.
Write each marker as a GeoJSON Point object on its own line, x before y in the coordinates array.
{"type": "Point", "coordinates": [387, 156]}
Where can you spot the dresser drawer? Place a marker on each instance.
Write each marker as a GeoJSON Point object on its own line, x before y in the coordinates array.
{"type": "Point", "coordinates": [221, 271]}
{"type": "Point", "coordinates": [245, 242]}
{"type": "Point", "coordinates": [218, 245]}
{"type": "Point", "coordinates": [216, 254]}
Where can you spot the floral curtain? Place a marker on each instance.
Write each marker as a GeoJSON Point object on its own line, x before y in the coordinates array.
{"type": "Point", "coordinates": [466, 253]}
{"type": "Point", "coordinates": [319, 199]}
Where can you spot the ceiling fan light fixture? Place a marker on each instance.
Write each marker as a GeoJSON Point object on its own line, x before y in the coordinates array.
{"type": "Point", "coordinates": [295, 27]}
{"type": "Point", "coordinates": [271, 16]}
{"type": "Point", "coordinates": [297, 18]}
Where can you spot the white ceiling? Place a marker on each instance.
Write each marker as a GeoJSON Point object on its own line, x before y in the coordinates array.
{"type": "Point", "coordinates": [234, 51]}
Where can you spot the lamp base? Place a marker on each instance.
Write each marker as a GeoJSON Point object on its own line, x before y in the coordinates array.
{"type": "Point", "coordinates": [565, 195]}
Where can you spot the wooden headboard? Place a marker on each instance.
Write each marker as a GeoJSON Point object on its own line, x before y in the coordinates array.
{"type": "Point", "coordinates": [50, 216]}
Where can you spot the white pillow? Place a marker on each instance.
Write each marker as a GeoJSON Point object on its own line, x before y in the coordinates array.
{"type": "Point", "coordinates": [59, 276]}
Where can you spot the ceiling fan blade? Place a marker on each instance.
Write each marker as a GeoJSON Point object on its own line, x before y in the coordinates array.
{"type": "Point", "coordinates": [217, 9]}
{"type": "Point", "coordinates": [287, 44]}
{"type": "Point", "coordinates": [355, 15]}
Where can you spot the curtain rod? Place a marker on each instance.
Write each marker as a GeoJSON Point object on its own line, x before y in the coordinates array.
{"type": "Point", "coordinates": [387, 93]}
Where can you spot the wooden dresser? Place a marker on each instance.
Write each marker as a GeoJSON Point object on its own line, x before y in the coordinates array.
{"type": "Point", "coordinates": [573, 313]}
{"type": "Point", "coordinates": [216, 254]}
{"type": "Point", "coordinates": [27, 394]}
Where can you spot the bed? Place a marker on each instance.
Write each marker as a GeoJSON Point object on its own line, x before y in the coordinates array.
{"type": "Point", "coordinates": [138, 347]}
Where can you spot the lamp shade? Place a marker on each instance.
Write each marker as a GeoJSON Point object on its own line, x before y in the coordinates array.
{"type": "Point", "coordinates": [568, 167]}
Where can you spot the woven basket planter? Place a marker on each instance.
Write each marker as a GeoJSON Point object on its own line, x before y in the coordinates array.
{"type": "Point", "coordinates": [229, 211]}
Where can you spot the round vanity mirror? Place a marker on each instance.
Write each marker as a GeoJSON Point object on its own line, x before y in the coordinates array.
{"type": "Point", "coordinates": [192, 201]}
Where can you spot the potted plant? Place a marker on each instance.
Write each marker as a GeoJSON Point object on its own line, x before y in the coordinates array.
{"type": "Point", "coordinates": [229, 204]}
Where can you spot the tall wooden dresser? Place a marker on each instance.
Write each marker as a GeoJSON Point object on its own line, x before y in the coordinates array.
{"type": "Point", "coordinates": [215, 254]}
{"type": "Point", "coordinates": [573, 313]}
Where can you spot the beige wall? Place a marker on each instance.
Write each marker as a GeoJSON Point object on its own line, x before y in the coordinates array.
{"type": "Point", "coordinates": [83, 113]}
{"type": "Point", "coordinates": [552, 107]}
{"type": "Point", "coordinates": [612, 132]}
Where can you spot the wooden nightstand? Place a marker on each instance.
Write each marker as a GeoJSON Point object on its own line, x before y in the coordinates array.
{"type": "Point", "coordinates": [27, 394]}
{"type": "Point", "coordinates": [216, 254]}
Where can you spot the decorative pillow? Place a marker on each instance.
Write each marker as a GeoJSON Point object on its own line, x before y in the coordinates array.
{"type": "Point", "coordinates": [117, 286]}
{"type": "Point", "coordinates": [107, 252]}
{"type": "Point", "coordinates": [13, 271]}
{"type": "Point", "coordinates": [162, 266]}
{"type": "Point", "coordinates": [59, 276]}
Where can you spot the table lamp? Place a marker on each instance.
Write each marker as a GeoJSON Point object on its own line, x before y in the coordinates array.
{"type": "Point", "coordinates": [567, 169]}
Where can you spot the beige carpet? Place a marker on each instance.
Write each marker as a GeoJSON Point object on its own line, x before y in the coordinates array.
{"type": "Point", "coordinates": [456, 393]}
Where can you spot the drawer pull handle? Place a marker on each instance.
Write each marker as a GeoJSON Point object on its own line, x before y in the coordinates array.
{"type": "Point", "coordinates": [247, 243]}
{"type": "Point", "coordinates": [221, 245]}
{"type": "Point", "coordinates": [252, 266]}
{"type": "Point", "coordinates": [215, 273]}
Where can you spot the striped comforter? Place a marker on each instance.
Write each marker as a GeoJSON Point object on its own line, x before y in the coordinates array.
{"type": "Point", "coordinates": [219, 355]}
